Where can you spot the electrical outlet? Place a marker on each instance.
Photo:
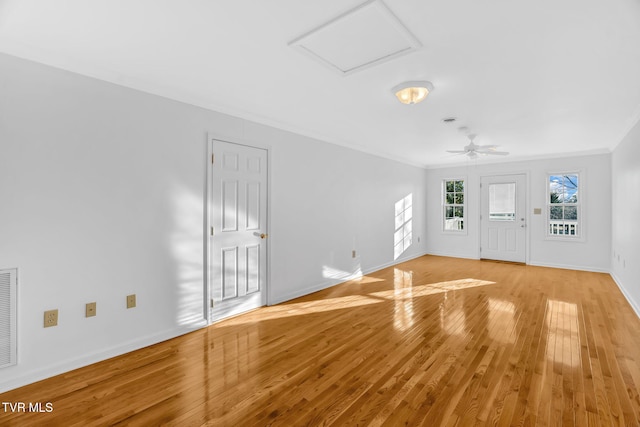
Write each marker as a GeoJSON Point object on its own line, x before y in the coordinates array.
{"type": "Point", "coordinates": [51, 318]}
{"type": "Point", "coordinates": [90, 309]}
{"type": "Point", "coordinates": [131, 301]}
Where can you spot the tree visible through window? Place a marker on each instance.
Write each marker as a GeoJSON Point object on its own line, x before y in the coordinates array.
{"type": "Point", "coordinates": [564, 205]}
{"type": "Point", "coordinates": [453, 205]}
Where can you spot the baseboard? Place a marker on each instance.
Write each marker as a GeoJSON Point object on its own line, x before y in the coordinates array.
{"type": "Point", "coordinates": [306, 291]}
{"type": "Point", "coordinates": [536, 264]}
{"type": "Point", "coordinates": [333, 282]}
{"type": "Point", "coordinates": [451, 255]}
{"type": "Point", "coordinates": [569, 267]}
{"type": "Point", "coordinates": [70, 365]}
{"type": "Point", "coordinates": [632, 303]}
{"type": "Point", "coordinates": [394, 262]}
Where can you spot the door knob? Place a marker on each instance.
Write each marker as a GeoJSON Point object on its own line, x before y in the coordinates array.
{"type": "Point", "coordinates": [264, 236]}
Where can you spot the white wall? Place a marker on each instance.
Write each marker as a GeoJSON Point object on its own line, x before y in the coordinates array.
{"type": "Point", "coordinates": [102, 195]}
{"type": "Point", "coordinates": [625, 264]}
{"type": "Point", "coordinates": [591, 254]}
{"type": "Point", "coordinates": [327, 201]}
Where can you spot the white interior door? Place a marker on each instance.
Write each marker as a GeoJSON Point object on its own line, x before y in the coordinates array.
{"type": "Point", "coordinates": [238, 219]}
{"type": "Point", "coordinates": [502, 218]}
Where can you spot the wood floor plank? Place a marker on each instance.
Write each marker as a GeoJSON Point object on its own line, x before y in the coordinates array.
{"type": "Point", "coordinates": [435, 341]}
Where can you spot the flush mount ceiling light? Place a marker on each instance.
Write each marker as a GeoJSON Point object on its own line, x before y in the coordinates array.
{"type": "Point", "coordinates": [412, 92]}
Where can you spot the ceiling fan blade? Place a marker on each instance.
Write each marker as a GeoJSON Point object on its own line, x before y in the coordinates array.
{"type": "Point", "coordinates": [486, 147]}
{"type": "Point", "coordinates": [474, 151]}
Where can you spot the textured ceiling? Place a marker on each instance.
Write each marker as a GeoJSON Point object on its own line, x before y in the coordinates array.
{"type": "Point", "coordinates": [537, 78]}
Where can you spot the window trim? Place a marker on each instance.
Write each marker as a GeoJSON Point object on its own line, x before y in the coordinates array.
{"type": "Point", "coordinates": [443, 205]}
{"type": "Point", "coordinates": [580, 206]}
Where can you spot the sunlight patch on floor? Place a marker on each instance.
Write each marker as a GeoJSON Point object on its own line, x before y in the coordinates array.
{"type": "Point", "coordinates": [433, 288]}
{"type": "Point", "coordinates": [366, 279]}
{"type": "Point", "coordinates": [402, 296]}
{"type": "Point", "coordinates": [563, 339]}
{"type": "Point", "coordinates": [403, 299]}
{"type": "Point", "coordinates": [302, 308]}
{"type": "Point", "coordinates": [501, 320]}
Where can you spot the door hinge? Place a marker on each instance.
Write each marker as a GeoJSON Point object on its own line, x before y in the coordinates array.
{"type": "Point", "coordinates": [480, 248]}
{"type": "Point", "coordinates": [213, 158]}
{"type": "Point", "coordinates": [212, 230]}
{"type": "Point", "coordinates": [211, 302]}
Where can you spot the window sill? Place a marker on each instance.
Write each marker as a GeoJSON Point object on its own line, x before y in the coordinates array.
{"type": "Point", "coordinates": [454, 232]}
{"type": "Point", "coordinates": [579, 239]}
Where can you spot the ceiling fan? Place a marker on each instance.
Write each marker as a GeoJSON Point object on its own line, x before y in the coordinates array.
{"type": "Point", "coordinates": [473, 151]}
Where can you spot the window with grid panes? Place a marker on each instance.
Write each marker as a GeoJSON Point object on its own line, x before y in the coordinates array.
{"type": "Point", "coordinates": [453, 205]}
{"type": "Point", "coordinates": [563, 205]}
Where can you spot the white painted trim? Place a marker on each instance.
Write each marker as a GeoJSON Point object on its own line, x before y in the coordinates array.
{"type": "Point", "coordinates": [211, 136]}
{"type": "Point", "coordinates": [146, 86]}
{"type": "Point", "coordinates": [329, 283]}
{"type": "Point", "coordinates": [392, 263]}
{"type": "Point", "coordinates": [207, 230]}
{"type": "Point", "coordinates": [527, 232]}
{"type": "Point", "coordinates": [518, 159]}
{"type": "Point", "coordinates": [452, 255]}
{"type": "Point", "coordinates": [570, 267]}
{"type": "Point", "coordinates": [632, 303]}
{"type": "Point", "coordinates": [581, 205]}
{"type": "Point", "coordinates": [465, 206]}
{"type": "Point", "coordinates": [309, 290]}
{"type": "Point", "coordinates": [85, 360]}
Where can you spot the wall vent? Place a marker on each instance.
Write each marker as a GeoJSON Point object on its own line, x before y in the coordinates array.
{"type": "Point", "coordinates": [8, 316]}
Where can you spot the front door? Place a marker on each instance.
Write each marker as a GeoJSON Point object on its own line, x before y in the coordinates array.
{"type": "Point", "coordinates": [502, 218]}
{"type": "Point", "coordinates": [238, 218]}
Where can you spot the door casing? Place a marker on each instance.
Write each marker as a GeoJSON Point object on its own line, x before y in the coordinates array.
{"type": "Point", "coordinates": [524, 214]}
{"type": "Point", "coordinates": [209, 206]}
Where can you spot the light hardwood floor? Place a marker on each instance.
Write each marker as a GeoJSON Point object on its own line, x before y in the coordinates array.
{"type": "Point", "coordinates": [433, 341]}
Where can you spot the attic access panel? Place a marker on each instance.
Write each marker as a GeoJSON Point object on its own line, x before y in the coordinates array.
{"type": "Point", "coordinates": [358, 39]}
